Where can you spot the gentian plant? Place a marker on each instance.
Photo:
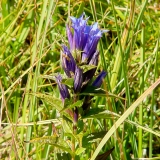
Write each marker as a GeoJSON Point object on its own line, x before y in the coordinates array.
{"type": "Point", "coordinates": [79, 62]}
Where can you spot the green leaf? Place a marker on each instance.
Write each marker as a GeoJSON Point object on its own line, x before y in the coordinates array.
{"type": "Point", "coordinates": [105, 155]}
{"type": "Point", "coordinates": [63, 156]}
{"type": "Point", "coordinates": [80, 150]}
{"type": "Point", "coordinates": [52, 76]}
{"type": "Point", "coordinates": [55, 102]}
{"type": "Point", "coordinates": [69, 82]}
{"type": "Point", "coordinates": [80, 9]}
{"type": "Point", "coordinates": [86, 68]}
{"type": "Point", "coordinates": [67, 102]}
{"type": "Point", "coordinates": [67, 127]}
{"type": "Point", "coordinates": [76, 104]}
{"type": "Point", "coordinates": [45, 139]}
{"type": "Point", "coordinates": [54, 141]}
{"type": "Point", "coordinates": [66, 149]}
{"type": "Point", "coordinates": [92, 138]}
{"type": "Point", "coordinates": [100, 113]}
{"type": "Point", "coordinates": [92, 91]}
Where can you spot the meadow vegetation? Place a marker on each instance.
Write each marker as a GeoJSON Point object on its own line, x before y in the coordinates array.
{"type": "Point", "coordinates": [123, 121]}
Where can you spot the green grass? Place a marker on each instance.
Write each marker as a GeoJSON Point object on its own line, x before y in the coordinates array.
{"type": "Point", "coordinates": [33, 124]}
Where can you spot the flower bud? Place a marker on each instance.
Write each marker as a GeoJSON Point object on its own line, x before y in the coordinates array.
{"type": "Point", "coordinates": [78, 79]}
{"type": "Point", "coordinates": [98, 81]}
{"type": "Point", "coordinates": [70, 38]}
{"type": "Point", "coordinates": [62, 88]}
{"type": "Point", "coordinates": [90, 73]}
{"type": "Point", "coordinates": [68, 62]}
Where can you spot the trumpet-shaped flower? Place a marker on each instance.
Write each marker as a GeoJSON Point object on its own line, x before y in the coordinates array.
{"type": "Point", "coordinates": [98, 81]}
{"type": "Point", "coordinates": [84, 38]}
{"type": "Point", "coordinates": [62, 88]}
{"type": "Point", "coordinates": [90, 73]}
{"type": "Point", "coordinates": [80, 34]}
{"type": "Point", "coordinates": [68, 62]}
{"type": "Point", "coordinates": [82, 52]}
{"type": "Point", "coordinates": [78, 79]}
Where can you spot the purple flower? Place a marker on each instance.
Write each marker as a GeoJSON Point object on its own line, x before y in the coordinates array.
{"type": "Point", "coordinates": [94, 59]}
{"type": "Point", "coordinates": [98, 81]}
{"type": "Point", "coordinates": [70, 38]}
{"type": "Point", "coordinates": [62, 88]}
{"type": "Point", "coordinates": [78, 79]}
{"type": "Point", "coordinates": [91, 46]}
{"type": "Point", "coordinates": [79, 26]}
{"type": "Point", "coordinates": [68, 62]}
{"type": "Point", "coordinates": [84, 38]}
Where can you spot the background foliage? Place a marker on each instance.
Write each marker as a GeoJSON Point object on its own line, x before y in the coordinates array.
{"type": "Point", "coordinates": [31, 120]}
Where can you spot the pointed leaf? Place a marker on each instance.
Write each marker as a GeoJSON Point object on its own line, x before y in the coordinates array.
{"type": "Point", "coordinates": [66, 149]}
{"type": "Point", "coordinates": [100, 113]}
{"type": "Point", "coordinates": [92, 91]}
{"type": "Point", "coordinates": [80, 150]}
{"type": "Point", "coordinates": [86, 68]}
{"type": "Point", "coordinates": [93, 137]}
{"type": "Point", "coordinates": [68, 82]}
{"type": "Point", "coordinates": [55, 102]}
{"type": "Point", "coordinates": [45, 139]}
{"type": "Point", "coordinates": [76, 104]}
{"type": "Point", "coordinates": [105, 155]}
{"type": "Point", "coordinates": [63, 156]}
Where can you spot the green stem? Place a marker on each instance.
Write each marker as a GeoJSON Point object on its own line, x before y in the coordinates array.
{"type": "Point", "coordinates": [153, 100]}
{"type": "Point", "coordinates": [122, 61]}
{"type": "Point", "coordinates": [75, 121]}
{"type": "Point", "coordinates": [25, 32]}
{"type": "Point", "coordinates": [121, 54]}
{"type": "Point", "coordinates": [140, 138]}
{"type": "Point", "coordinates": [34, 84]}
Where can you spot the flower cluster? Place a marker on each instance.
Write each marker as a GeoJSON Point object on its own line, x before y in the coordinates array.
{"type": "Point", "coordinates": [82, 53]}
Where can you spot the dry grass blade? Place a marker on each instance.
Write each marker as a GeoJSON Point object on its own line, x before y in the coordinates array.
{"type": "Point", "coordinates": [124, 116]}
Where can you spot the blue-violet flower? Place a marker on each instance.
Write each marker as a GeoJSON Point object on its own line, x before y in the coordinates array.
{"type": "Point", "coordinates": [98, 81]}
{"type": "Point", "coordinates": [62, 88]}
{"type": "Point", "coordinates": [83, 40]}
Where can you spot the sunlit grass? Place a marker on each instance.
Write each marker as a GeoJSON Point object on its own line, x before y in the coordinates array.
{"type": "Point", "coordinates": [33, 124]}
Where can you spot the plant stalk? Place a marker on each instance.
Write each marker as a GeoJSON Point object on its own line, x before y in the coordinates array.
{"type": "Point", "coordinates": [75, 120]}
{"type": "Point", "coordinates": [140, 138]}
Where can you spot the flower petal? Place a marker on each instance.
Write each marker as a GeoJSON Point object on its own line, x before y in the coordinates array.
{"type": "Point", "coordinates": [85, 38]}
{"type": "Point", "coordinates": [90, 73]}
{"type": "Point", "coordinates": [62, 88]}
{"type": "Point", "coordinates": [70, 37]}
{"type": "Point", "coordinates": [98, 82]}
{"type": "Point", "coordinates": [79, 26]}
{"type": "Point", "coordinates": [91, 45]}
{"type": "Point", "coordinates": [78, 78]}
{"type": "Point", "coordinates": [94, 59]}
{"type": "Point", "coordinates": [68, 62]}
